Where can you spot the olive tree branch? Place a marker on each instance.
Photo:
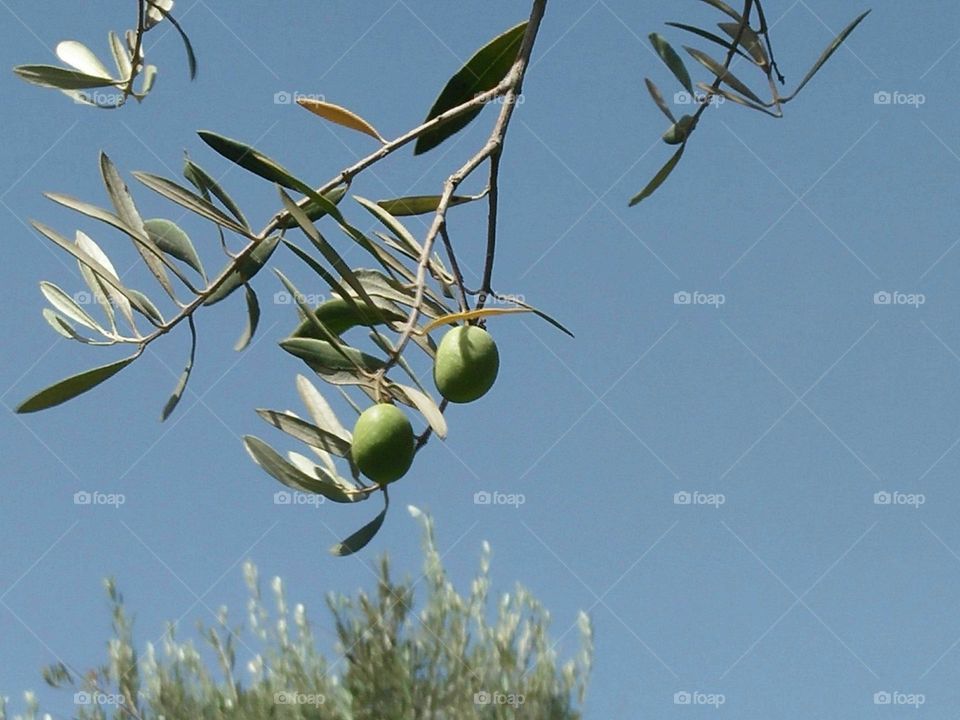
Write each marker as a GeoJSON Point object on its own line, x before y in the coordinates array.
{"type": "Point", "coordinates": [491, 150]}
{"type": "Point", "coordinates": [455, 267]}
{"type": "Point", "coordinates": [731, 53]}
{"type": "Point", "coordinates": [493, 204]}
{"type": "Point", "coordinates": [345, 176]}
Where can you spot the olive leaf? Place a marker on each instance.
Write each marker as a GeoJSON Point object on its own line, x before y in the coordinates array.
{"type": "Point", "coordinates": [482, 72]}
{"type": "Point", "coordinates": [71, 387]}
{"type": "Point", "coordinates": [340, 116]}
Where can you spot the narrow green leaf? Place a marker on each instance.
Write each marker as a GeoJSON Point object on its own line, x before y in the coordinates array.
{"type": "Point", "coordinates": [189, 199]}
{"type": "Point", "coordinates": [427, 407]}
{"type": "Point", "coordinates": [106, 296]}
{"type": "Point", "coordinates": [733, 97]}
{"type": "Point", "coordinates": [247, 269]}
{"type": "Point", "coordinates": [313, 210]}
{"type": "Point", "coordinates": [81, 58]}
{"type": "Point", "coordinates": [658, 179]}
{"type": "Point", "coordinates": [364, 535]}
{"type": "Point", "coordinates": [825, 55]}
{"type": "Point", "coordinates": [321, 412]}
{"type": "Point", "coordinates": [709, 36]}
{"type": "Point", "coordinates": [253, 319]}
{"type": "Point", "coordinates": [390, 222]}
{"type": "Point", "coordinates": [92, 211]}
{"type": "Point", "coordinates": [325, 333]}
{"type": "Point", "coordinates": [73, 386]}
{"type": "Point", "coordinates": [325, 248]}
{"type": "Point", "coordinates": [723, 7]}
{"type": "Point", "coordinates": [482, 72]}
{"type": "Point", "coordinates": [184, 376]}
{"type": "Point", "coordinates": [149, 78]}
{"type": "Point", "coordinates": [145, 307]}
{"type": "Point", "coordinates": [288, 474]}
{"type": "Point", "coordinates": [671, 60]}
{"type": "Point", "coordinates": [201, 180]}
{"type": "Point", "coordinates": [67, 306]}
{"type": "Point", "coordinates": [322, 357]}
{"type": "Point", "coordinates": [419, 204]}
{"type": "Point", "coordinates": [748, 40]}
{"type": "Point", "coordinates": [87, 260]}
{"type": "Point", "coordinates": [128, 213]}
{"type": "Point", "coordinates": [188, 47]}
{"type": "Point", "coordinates": [380, 285]}
{"type": "Point", "coordinates": [658, 99]}
{"type": "Point", "coordinates": [305, 432]}
{"type": "Point", "coordinates": [121, 56]}
{"type": "Point", "coordinates": [51, 76]}
{"type": "Point", "coordinates": [721, 72]}
{"type": "Point", "coordinates": [252, 160]}
{"type": "Point", "coordinates": [168, 236]}
{"type": "Point", "coordinates": [62, 327]}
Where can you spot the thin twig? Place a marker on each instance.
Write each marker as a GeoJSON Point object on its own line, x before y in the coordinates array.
{"type": "Point", "coordinates": [493, 203]}
{"type": "Point", "coordinates": [455, 267]}
{"type": "Point", "coordinates": [513, 83]}
{"type": "Point", "coordinates": [731, 52]}
{"type": "Point", "coordinates": [765, 31]}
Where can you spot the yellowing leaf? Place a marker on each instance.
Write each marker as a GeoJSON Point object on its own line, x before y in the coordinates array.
{"type": "Point", "coordinates": [471, 315]}
{"type": "Point", "coordinates": [340, 116]}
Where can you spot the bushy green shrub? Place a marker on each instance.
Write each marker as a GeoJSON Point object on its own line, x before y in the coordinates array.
{"type": "Point", "coordinates": [457, 658]}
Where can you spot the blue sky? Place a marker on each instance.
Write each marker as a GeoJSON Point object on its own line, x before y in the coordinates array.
{"type": "Point", "coordinates": [786, 585]}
